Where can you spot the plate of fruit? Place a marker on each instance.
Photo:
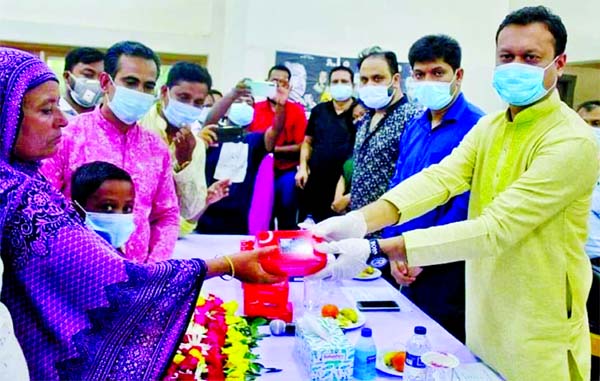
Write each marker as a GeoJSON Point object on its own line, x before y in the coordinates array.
{"type": "Point", "coordinates": [368, 273]}
{"type": "Point", "coordinates": [391, 361]}
{"type": "Point", "coordinates": [348, 318]}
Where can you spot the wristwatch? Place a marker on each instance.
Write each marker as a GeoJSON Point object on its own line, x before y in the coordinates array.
{"type": "Point", "coordinates": [377, 258]}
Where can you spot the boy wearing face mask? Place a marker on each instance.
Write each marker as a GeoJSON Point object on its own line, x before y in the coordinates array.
{"type": "Point", "coordinates": [237, 161]}
{"type": "Point", "coordinates": [107, 195]}
{"type": "Point", "coordinates": [328, 143]}
{"type": "Point", "coordinates": [435, 83]}
{"type": "Point", "coordinates": [378, 132]}
{"type": "Point", "coordinates": [174, 118]}
{"type": "Point", "coordinates": [111, 133]}
{"type": "Point", "coordinates": [83, 92]}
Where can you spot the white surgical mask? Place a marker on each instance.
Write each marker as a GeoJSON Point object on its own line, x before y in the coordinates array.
{"type": "Point", "coordinates": [340, 91]}
{"type": "Point", "coordinates": [376, 97]}
{"type": "Point", "coordinates": [204, 114]}
{"type": "Point", "coordinates": [181, 114]}
{"type": "Point", "coordinates": [434, 95]}
{"type": "Point", "coordinates": [597, 133]}
{"type": "Point", "coordinates": [85, 92]}
{"type": "Point", "coordinates": [241, 114]}
{"type": "Point", "coordinates": [520, 84]}
{"type": "Point", "coordinates": [116, 228]}
{"type": "Point", "coordinates": [130, 105]}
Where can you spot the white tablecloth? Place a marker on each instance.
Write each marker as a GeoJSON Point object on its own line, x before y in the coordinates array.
{"type": "Point", "coordinates": [389, 328]}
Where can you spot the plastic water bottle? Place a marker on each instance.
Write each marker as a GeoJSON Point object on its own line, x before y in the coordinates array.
{"type": "Point", "coordinates": [414, 368]}
{"type": "Point", "coordinates": [365, 356]}
{"type": "Point", "coordinates": [308, 221]}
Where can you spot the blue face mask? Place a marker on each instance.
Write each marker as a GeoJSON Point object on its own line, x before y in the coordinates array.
{"type": "Point", "coordinates": [520, 84]}
{"type": "Point", "coordinates": [376, 97]}
{"type": "Point", "coordinates": [597, 133]}
{"type": "Point", "coordinates": [180, 114]}
{"type": "Point", "coordinates": [340, 92]}
{"type": "Point", "coordinates": [116, 228]}
{"type": "Point", "coordinates": [431, 94]}
{"type": "Point", "coordinates": [130, 105]}
{"type": "Point", "coordinates": [241, 114]}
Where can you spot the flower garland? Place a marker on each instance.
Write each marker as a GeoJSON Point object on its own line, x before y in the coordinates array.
{"type": "Point", "coordinates": [216, 345]}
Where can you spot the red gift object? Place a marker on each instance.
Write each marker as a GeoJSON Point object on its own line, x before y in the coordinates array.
{"type": "Point", "coordinates": [268, 300]}
{"type": "Point", "coordinates": [296, 255]}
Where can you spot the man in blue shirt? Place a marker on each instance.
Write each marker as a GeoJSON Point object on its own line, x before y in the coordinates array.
{"type": "Point", "coordinates": [435, 83]}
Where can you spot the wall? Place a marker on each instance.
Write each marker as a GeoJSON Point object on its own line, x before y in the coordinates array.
{"type": "Point", "coordinates": [587, 86]}
{"type": "Point", "coordinates": [241, 36]}
{"type": "Point", "coordinates": [177, 26]}
{"type": "Point", "coordinates": [343, 28]}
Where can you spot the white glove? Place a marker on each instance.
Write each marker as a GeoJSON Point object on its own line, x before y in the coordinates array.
{"type": "Point", "coordinates": [352, 259]}
{"type": "Point", "coordinates": [351, 225]}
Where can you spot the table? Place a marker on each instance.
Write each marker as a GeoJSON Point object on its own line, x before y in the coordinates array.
{"type": "Point", "coordinates": [388, 327]}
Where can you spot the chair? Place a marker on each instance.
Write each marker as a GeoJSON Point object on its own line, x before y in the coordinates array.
{"type": "Point", "coordinates": [263, 197]}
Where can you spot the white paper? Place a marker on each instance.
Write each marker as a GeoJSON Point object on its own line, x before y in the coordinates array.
{"type": "Point", "coordinates": [233, 162]}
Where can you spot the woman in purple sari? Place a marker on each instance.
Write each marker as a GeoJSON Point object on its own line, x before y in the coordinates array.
{"type": "Point", "coordinates": [80, 310]}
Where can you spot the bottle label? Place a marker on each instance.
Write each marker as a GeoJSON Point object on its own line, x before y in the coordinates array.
{"type": "Point", "coordinates": [414, 361]}
{"type": "Point", "coordinates": [364, 365]}
{"type": "Point", "coordinates": [371, 359]}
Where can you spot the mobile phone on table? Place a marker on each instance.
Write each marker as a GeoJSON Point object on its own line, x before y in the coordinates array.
{"type": "Point", "coordinates": [230, 134]}
{"type": "Point", "coordinates": [377, 305]}
{"type": "Point", "coordinates": [262, 88]}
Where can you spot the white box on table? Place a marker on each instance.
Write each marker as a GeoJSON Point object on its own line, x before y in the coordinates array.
{"type": "Point", "coordinates": [325, 360]}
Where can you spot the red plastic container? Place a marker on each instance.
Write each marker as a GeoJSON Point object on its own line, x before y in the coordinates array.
{"type": "Point", "coordinates": [296, 255]}
{"type": "Point", "coordinates": [266, 300]}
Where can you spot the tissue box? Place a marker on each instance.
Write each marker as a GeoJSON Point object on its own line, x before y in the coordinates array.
{"type": "Point", "coordinates": [325, 360]}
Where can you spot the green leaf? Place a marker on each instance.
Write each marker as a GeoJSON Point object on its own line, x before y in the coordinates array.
{"type": "Point", "coordinates": [258, 322]}
{"type": "Point", "coordinates": [256, 367]}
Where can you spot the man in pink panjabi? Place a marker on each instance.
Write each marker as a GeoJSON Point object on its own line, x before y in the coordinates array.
{"type": "Point", "coordinates": [111, 133]}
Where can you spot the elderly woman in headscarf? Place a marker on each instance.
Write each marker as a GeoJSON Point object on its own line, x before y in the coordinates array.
{"type": "Point", "coordinates": [80, 310]}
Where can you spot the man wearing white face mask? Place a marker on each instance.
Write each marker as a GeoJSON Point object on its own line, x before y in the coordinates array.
{"type": "Point", "coordinates": [436, 84]}
{"type": "Point", "coordinates": [287, 149]}
{"type": "Point", "coordinates": [111, 133]}
{"type": "Point", "coordinates": [531, 170]}
{"type": "Point", "coordinates": [379, 131]}
{"type": "Point", "coordinates": [327, 145]}
{"type": "Point", "coordinates": [83, 92]}
{"type": "Point", "coordinates": [237, 160]}
{"type": "Point", "coordinates": [173, 118]}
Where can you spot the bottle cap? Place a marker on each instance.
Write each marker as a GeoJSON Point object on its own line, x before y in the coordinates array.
{"type": "Point", "coordinates": [419, 330]}
{"type": "Point", "coordinates": [366, 332]}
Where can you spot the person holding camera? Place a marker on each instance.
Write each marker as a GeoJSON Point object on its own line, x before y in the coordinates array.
{"type": "Point", "coordinates": [235, 155]}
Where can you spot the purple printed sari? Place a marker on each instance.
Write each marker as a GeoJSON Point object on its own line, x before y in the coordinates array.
{"type": "Point", "coordinates": [81, 312]}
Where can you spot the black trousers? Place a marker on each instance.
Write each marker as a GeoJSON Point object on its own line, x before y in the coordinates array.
{"type": "Point", "coordinates": [318, 193]}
